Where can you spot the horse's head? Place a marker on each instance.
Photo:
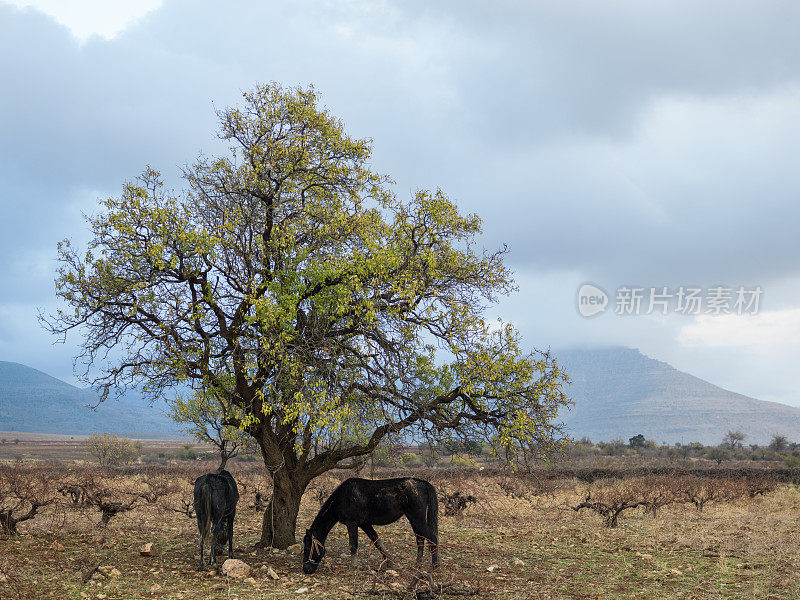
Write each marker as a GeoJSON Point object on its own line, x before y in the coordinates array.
{"type": "Point", "coordinates": [221, 533]}
{"type": "Point", "coordinates": [313, 552]}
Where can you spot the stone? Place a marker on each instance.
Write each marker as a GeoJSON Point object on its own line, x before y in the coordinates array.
{"type": "Point", "coordinates": [58, 547]}
{"type": "Point", "coordinates": [238, 569]}
{"type": "Point", "coordinates": [296, 549]}
{"type": "Point", "coordinates": [155, 587]}
{"type": "Point", "coordinates": [492, 568]}
{"type": "Point", "coordinates": [148, 549]}
{"type": "Point", "coordinates": [109, 571]}
{"type": "Point", "coordinates": [517, 562]}
{"type": "Point", "coordinates": [302, 590]}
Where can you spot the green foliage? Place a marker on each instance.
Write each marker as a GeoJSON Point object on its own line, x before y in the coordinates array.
{"type": "Point", "coordinates": [779, 443]}
{"type": "Point", "coordinates": [464, 460]}
{"type": "Point", "coordinates": [733, 439]}
{"type": "Point", "coordinates": [637, 441]}
{"type": "Point", "coordinates": [188, 453]}
{"type": "Point", "coordinates": [110, 450]}
{"type": "Point", "coordinates": [409, 459]}
{"type": "Point", "coordinates": [207, 416]}
{"type": "Point", "coordinates": [470, 447]}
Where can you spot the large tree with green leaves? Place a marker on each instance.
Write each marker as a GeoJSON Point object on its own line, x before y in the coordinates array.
{"type": "Point", "coordinates": [289, 281]}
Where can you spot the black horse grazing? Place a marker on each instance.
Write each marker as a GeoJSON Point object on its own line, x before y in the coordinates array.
{"type": "Point", "coordinates": [367, 502]}
{"type": "Point", "coordinates": [215, 498]}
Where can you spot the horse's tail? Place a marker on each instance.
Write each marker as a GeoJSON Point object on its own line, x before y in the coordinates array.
{"type": "Point", "coordinates": [202, 505]}
{"type": "Point", "coordinates": [433, 510]}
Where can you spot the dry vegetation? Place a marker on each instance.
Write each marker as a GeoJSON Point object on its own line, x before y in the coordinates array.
{"type": "Point", "coordinates": [502, 536]}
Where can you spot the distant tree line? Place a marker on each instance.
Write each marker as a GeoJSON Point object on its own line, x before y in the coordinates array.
{"type": "Point", "coordinates": [731, 447]}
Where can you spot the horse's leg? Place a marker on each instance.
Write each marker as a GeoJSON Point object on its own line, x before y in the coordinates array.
{"type": "Point", "coordinates": [420, 532]}
{"type": "Point", "coordinates": [230, 534]}
{"type": "Point", "coordinates": [214, 529]}
{"type": "Point", "coordinates": [201, 526]}
{"type": "Point", "coordinates": [202, 564]}
{"type": "Point", "coordinates": [420, 547]}
{"type": "Point", "coordinates": [212, 557]}
{"type": "Point", "coordinates": [373, 536]}
{"type": "Point", "coordinates": [425, 531]}
{"type": "Point", "coordinates": [352, 533]}
{"type": "Point", "coordinates": [433, 545]}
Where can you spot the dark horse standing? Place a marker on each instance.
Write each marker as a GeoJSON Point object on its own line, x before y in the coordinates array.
{"type": "Point", "coordinates": [215, 498]}
{"type": "Point", "coordinates": [367, 502]}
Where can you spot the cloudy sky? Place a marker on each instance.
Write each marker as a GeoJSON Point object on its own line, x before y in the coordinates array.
{"type": "Point", "coordinates": [623, 143]}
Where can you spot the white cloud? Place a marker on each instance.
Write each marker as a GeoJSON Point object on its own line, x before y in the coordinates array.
{"type": "Point", "coordinates": [640, 143]}
{"type": "Point", "coordinates": [769, 330]}
{"type": "Point", "coordinates": [85, 18]}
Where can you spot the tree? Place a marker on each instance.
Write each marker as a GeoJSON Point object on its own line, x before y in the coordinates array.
{"type": "Point", "coordinates": [637, 441]}
{"type": "Point", "coordinates": [733, 439]}
{"type": "Point", "coordinates": [290, 280]}
{"type": "Point", "coordinates": [207, 416]}
{"type": "Point", "coordinates": [720, 454]}
{"type": "Point", "coordinates": [779, 443]}
{"type": "Point", "coordinates": [110, 450]}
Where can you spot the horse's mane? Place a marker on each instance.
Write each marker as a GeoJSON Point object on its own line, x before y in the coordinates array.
{"type": "Point", "coordinates": [324, 509]}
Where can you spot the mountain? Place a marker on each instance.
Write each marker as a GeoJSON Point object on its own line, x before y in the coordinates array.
{"type": "Point", "coordinates": [620, 392]}
{"type": "Point", "coordinates": [33, 401]}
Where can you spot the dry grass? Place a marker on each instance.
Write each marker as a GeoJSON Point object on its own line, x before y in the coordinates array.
{"type": "Point", "coordinates": [745, 548]}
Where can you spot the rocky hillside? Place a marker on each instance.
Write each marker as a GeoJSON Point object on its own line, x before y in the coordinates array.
{"type": "Point", "coordinates": [36, 402]}
{"type": "Point", "coordinates": [619, 392]}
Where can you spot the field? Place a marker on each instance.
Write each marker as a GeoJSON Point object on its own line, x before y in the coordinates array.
{"type": "Point", "coordinates": [517, 538]}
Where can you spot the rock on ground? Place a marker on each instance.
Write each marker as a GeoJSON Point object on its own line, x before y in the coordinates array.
{"type": "Point", "coordinates": [233, 567]}
{"type": "Point", "coordinates": [295, 549]}
{"type": "Point", "coordinates": [148, 549]}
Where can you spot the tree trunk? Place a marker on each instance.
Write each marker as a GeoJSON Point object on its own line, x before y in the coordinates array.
{"type": "Point", "coordinates": [8, 525]}
{"type": "Point", "coordinates": [280, 518]}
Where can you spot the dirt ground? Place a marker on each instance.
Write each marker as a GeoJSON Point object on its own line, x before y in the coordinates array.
{"type": "Point", "coordinates": [511, 543]}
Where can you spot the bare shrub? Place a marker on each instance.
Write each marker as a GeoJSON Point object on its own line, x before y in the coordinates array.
{"type": "Point", "coordinates": [658, 491]}
{"type": "Point", "coordinates": [108, 496]}
{"type": "Point", "coordinates": [23, 491]}
{"type": "Point", "coordinates": [74, 492]}
{"type": "Point", "coordinates": [158, 483]}
{"type": "Point", "coordinates": [760, 484]}
{"type": "Point", "coordinates": [702, 490]}
{"type": "Point", "coordinates": [610, 499]}
{"type": "Point", "coordinates": [456, 503]}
